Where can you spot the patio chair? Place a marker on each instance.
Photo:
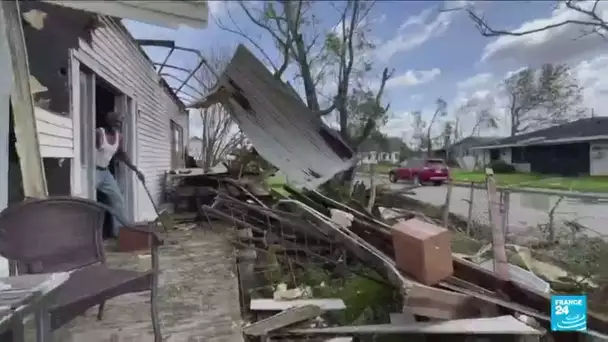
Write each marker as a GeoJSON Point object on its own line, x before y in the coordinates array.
{"type": "Point", "coordinates": [65, 234]}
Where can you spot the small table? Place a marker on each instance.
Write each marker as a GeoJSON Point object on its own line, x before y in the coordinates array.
{"type": "Point", "coordinates": [32, 293]}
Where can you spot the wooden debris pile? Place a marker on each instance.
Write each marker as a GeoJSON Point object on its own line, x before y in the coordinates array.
{"type": "Point", "coordinates": [298, 254]}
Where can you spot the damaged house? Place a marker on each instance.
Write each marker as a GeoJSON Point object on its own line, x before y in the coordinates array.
{"type": "Point", "coordinates": [83, 66]}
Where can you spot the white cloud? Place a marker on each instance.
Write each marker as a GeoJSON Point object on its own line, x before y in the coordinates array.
{"type": "Point", "coordinates": [416, 97]}
{"type": "Point", "coordinates": [590, 74]}
{"type": "Point", "coordinates": [561, 44]}
{"type": "Point", "coordinates": [398, 126]}
{"type": "Point", "coordinates": [415, 31]}
{"type": "Point", "coordinates": [412, 78]}
{"type": "Point", "coordinates": [419, 19]}
{"type": "Point", "coordinates": [218, 8]}
{"type": "Point", "coordinates": [475, 81]}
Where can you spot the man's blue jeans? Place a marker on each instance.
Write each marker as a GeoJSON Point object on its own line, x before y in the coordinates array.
{"type": "Point", "coordinates": [107, 184]}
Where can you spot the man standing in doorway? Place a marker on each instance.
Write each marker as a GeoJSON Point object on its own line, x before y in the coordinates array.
{"type": "Point", "coordinates": [109, 144]}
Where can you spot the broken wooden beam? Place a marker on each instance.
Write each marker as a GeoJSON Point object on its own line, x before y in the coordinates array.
{"type": "Point", "coordinates": [503, 325]}
{"type": "Point", "coordinates": [441, 304]}
{"type": "Point", "coordinates": [282, 319]}
{"type": "Point", "coordinates": [326, 304]}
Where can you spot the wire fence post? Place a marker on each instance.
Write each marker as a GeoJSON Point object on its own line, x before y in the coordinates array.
{"type": "Point", "coordinates": [446, 205]}
{"type": "Point", "coordinates": [470, 214]}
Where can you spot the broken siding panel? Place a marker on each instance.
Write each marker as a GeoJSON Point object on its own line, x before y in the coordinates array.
{"type": "Point", "coordinates": [281, 127]}
{"type": "Point", "coordinates": [123, 64]}
{"type": "Point", "coordinates": [163, 13]}
{"type": "Point", "coordinates": [55, 134]}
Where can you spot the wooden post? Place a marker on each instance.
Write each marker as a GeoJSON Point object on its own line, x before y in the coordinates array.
{"type": "Point", "coordinates": [506, 204]}
{"type": "Point", "coordinates": [446, 205]}
{"type": "Point", "coordinates": [501, 265]}
{"type": "Point", "coordinates": [470, 214]}
{"type": "Point", "coordinates": [372, 189]}
{"type": "Point", "coordinates": [28, 149]}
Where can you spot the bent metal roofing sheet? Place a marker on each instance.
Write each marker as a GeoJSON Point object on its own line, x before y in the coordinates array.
{"type": "Point", "coordinates": [280, 126]}
{"type": "Point", "coordinates": [163, 13]}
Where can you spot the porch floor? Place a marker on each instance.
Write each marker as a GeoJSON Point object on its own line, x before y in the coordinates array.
{"type": "Point", "coordinates": [198, 295]}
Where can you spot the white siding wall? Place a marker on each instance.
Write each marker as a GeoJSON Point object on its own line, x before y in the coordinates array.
{"type": "Point", "coordinates": [55, 134]}
{"type": "Point", "coordinates": [120, 61]}
{"type": "Point", "coordinates": [505, 155]}
{"type": "Point", "coordinates": [598, 158]}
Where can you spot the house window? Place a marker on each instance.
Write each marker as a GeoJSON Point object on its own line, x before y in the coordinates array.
{"type": "Point", "coordinates": [177, 150]}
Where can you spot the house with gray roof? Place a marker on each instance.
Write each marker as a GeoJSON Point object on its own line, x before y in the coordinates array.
{"type": "Point", "coordinates": [463, 154]}
{"type": "Point", "coordinates": [575, 148]}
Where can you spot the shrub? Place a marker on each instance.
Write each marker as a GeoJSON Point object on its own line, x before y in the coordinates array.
{"type": "Point", "coordinates": [500, 166]}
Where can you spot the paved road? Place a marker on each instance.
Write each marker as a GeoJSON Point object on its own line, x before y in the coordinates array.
{"type": "Point", "coordinates": [526, 210]}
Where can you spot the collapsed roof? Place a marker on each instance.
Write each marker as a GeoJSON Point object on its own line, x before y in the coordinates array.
{"type": "Point", "coordinates": [283, 130]}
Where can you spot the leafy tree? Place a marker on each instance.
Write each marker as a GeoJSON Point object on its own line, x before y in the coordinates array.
{"type": "Point", "coordinates": [484, 117]}
{"type": "Point", "coordinates": [545, 97]}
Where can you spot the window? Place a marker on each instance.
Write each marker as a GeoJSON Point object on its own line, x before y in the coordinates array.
{"type": "Point", "coordinates": [177, 150]}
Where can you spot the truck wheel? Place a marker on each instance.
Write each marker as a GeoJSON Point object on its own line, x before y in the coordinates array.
{"type": "Point", "coordinates": [392, 178]}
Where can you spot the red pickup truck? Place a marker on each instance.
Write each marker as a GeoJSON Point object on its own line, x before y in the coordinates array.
{"type": "Point", "coordinates": [420, 171]}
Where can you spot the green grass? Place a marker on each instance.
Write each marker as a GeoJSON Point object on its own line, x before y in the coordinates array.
{"type": "Point", "coordinates": [522, 180]}
{"type": "Point", "coordinates": [531, 180]}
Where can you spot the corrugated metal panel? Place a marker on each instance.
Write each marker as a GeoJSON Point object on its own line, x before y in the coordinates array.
{"type": "Point", "coordinates": [55, 134]}
{"type": "Point", "coordinates": [162, 13]}
{"type": "Point", "coordinates": [122, 64]}
{"type": "Point", "coordinates": [282, 129]}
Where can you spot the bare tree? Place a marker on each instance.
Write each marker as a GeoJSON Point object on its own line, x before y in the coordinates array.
{"type": "Point", "coordinates": [540, 98]}
{"type": "Point", "coordinates": [419, 136]}
{"type": "Point", "coordinates": [440, 111]}
{"type": "Point", "coordinates": [220, 134]}
{"type": "Point", "coordinates": [320, 57]}
{"type": "Point", "coordinates": [447, 134]}
{"type": "Point", "coordinates": [588, 19]}
{"type": "Point", "coordinates": [483, 114]}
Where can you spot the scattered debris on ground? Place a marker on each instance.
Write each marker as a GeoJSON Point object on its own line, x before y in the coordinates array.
{"type": "Point", "coordinates": [312, 267]}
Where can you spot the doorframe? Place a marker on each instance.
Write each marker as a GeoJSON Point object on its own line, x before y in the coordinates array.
{"type": "Point", "coordinates": [126, 178]}
{"type": "Point", "coordinates": [4, 148]}
{"type": "Point", "coordinates": [173, 125]}
{"type": "Point", "coordinates": [76, 61]}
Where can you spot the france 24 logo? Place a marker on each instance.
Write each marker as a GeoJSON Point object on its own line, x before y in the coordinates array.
{"type": "Point", "coordinates": [569, 313]}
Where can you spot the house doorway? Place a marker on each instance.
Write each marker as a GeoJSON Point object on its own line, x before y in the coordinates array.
{"type": "Point", "coordinates": [97, 99]}
{"type": "Point", "coordinates": [177, 149]}
{"type": "Point", "coordinates": [494, 154]}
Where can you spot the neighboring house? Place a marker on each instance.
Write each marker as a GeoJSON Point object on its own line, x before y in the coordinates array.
{"type": "Point", "coordinates": [89, 64]}
{"type": "Point", "coordinates": [576, 148]}
{"type": "Point", "coordinates": [377, 152]}
{"type": "Point", "coordinates": [463, 154]}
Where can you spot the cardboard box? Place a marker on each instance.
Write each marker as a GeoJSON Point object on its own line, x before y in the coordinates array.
{"type": "Point", "coordinates": [423, 250]}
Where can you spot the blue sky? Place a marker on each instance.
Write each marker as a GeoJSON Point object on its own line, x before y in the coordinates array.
{"type": "Point", "coordinates": [434, 54]}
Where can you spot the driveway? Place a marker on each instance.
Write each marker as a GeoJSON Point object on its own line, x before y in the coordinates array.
{"type": "Point", "coordinates": [526, 210]}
